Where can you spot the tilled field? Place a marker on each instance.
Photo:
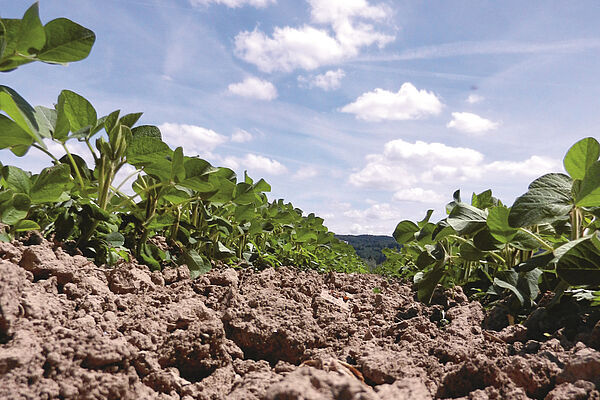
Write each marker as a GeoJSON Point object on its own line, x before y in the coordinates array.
{"type": "Point", "coordinates": [72, 330]}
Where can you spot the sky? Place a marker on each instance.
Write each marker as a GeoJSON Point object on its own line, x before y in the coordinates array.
{"type": "Point", "coordinates": [364, 112]}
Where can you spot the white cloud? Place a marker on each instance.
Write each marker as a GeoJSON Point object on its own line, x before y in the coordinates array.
{"type": "Point", "coordinates": [241, 136]}
{"type": "Point", "coordinates": [255, 163]}
{"type": "Point", "coordinates": [330, 80]}
{"type": "Point", "coordinates": [375, 212]}
{"type": "Point", "coordinates": [309, 47]}
{"type": "Point", "coordinates": [194, 139]}
{"type": "Point", "coordinates": [474, 99]}
{"type": "Point", "coordinates": [254, 88]}
{"type": "Point", "coordinates": [403, 164]}
{"type": "Point", "coordinates": [306, 173]}
{"type": "Point", "coordinates": [417, 171]}
{"type": "Point", "coordinates": [418, 195]}
{"type": "Point", "coordinates": [471, 123]}
{"type": "Point", "coordinates": [234, 3]}
{"type": "Point", "coordinates": [534, 166]}
{"type": "Point", "coordinates": [407, 103]}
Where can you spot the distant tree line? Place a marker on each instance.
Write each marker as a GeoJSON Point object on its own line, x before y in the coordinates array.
{"type": "Point", "coordinates": [369, 247]}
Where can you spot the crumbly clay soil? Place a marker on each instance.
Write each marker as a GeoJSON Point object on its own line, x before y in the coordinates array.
{"type": "Point", "coordinates": [72, 330]}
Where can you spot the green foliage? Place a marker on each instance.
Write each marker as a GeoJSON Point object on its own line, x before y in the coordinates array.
{"type": "Point", "coordinates": [203, 212]}
{"type": "Point", "coordinates": [548, 240]}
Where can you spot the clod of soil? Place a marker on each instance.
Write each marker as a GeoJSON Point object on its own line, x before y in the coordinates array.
{"type": "Point", "coordinates": [72, 330]}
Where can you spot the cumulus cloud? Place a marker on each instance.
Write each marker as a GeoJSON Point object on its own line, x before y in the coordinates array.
{"type": "Point", "coordinates": [255, 163]}
{"type": "Point", "coordinates": [234, 3]}
{"type": "Point", "coordinates": [341, 35]}
{"type": "Point", "coordinates": [194, 139]}
{"type": "Point", "coordinates": [534, 166]}
{"type": "Point", "coordinates": [471, 123]}
{"type": "Point", "coordinates": [414, 170]}
{"type": "Point", "coordinates": [403, 164]}
{"type": "Point", "coordinates": [241, 136]}
{"type": "Point", "coordinates": [419, 195]}
{"type": "Point", "coordinates": [330, 80]}
{"type": "Point", "coordinates": [475, 98]}
{"type": "Point", "coordinates": [408, 103]}
{"type": "Point", "coordinates": [254, 88]}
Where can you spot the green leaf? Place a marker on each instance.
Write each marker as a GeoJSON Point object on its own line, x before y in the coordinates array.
{"type": "Point", "coordinates": [144, 151]}
{"type": "Point", "coordinates": [12, 135]}
{"type": "Point", "coordinates": [10, 215]}
{"type": "Point", "coordinates": [405, 231]}
{"type": "Point", "coordinates": [466, 219]}
{"type": "Point", "coordinates": [66, 41]}
{"type": "Point", "coordinates": [130, 119]}
{"type": "Point", "coordinates": [20, 111]}
{"type": "Point", "coordinates": [16, 179]}
{"type": "Point", "coordinates": [31, 37]}
{"type": "Point", "coordinates": [110, 122]}
{"type": "Point", "coordinates": [196, 264]}
{"type": "Point", "coordinates": [528, 285]}
{"type": "Point", "coordinates": [469, 252]}
{"type": "Point", "coordinates": [497, 222]}
{"type": "Point", "coordinates": [484, 240]}
{"type": "Point", "coordinates": [2, 40]}
{"type": "Point", "coordinates": [46, 120]}
{"type": "Point", "coordinates": [425, 220]}
{"type": "Point", "coordinates": [50, 184]}
{"type": "Point", "coordinates": [25, 225]}
{"type": "Point", "coordinates": [581, 156]}
{"type": "Point", "coordinates": [177, 168]}
{"type": "Point", "coordinates": [589, 191]}
{"type": "Point", "coordinates": [484, 200]}
{"type": "Point", "coordinates": [548, 199]}
{"type": "Point", "coordinates": [580, 264]}
{"type": "Point", "coordinates": [21, 201]}
{"type": "Point", "coordinates": [506, 285]}
{"type": "Point", "coordinates": [427, 284]}
{"type": "Point", "coordinates": [540, 261]}
{"type": "Point", "coordinates": [79, 112]}
{"type": "Point", "coordinates": [115, 239]}
{"type": "Point", "coordinates": [146, 131]}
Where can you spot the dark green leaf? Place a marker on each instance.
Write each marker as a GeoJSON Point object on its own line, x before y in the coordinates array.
{"type": "Point", "coordinates": [427, 284]}
{"type": "Point", "coordinates": [130, 119]}
{"type": "Point", "coordinates": [548, 198]}
{"type": "Point", "coordinates": [540, 261]}
{"type": "Point", "coordinates": [580, 264]}
{"type": "Point", "coordinates": [196, 264]}
{"type": "Point", "coordinates": [466, 219]}
{"type": "Point", "coordinates": [31, 36]}
{"type": "Point", "coordinates": [146, 131]}
{"type": "Point", "coordinates": [66, 41]}
{"type": "Point", "coordinates": [497, 222]}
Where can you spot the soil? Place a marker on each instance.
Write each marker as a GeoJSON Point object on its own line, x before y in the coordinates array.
{"type": "Point", "coordinates": [72, 330]}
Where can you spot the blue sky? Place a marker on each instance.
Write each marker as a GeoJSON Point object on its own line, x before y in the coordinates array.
{"type": "Point", "coordinates": [364, 112]}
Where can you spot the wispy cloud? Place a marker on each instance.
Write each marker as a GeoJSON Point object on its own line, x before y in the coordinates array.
{"type": "Point", "coordinates": [489, 47]}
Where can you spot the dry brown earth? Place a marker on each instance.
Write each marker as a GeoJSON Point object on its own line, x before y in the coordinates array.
{"type": "Point", "coordinates": [72, 330]}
